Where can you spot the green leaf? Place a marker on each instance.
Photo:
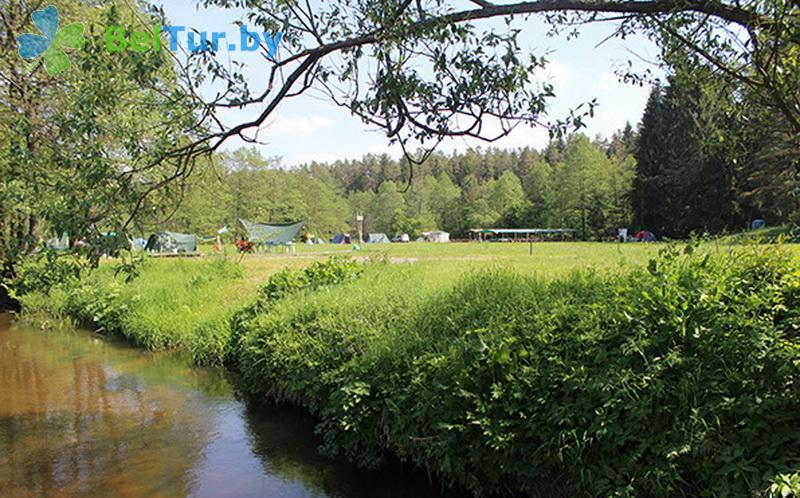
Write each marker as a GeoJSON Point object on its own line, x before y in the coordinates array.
{"type": "Point", "coordinates": [70, 36]}
{"type": "Point", "coordinates": [55, 61]}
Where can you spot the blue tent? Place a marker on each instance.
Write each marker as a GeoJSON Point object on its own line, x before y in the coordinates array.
{"type": "Point", "coordinates": [341, 238]}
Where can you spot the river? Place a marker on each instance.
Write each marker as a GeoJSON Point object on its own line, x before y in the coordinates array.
{"type": "Point", "coordinates": [82, 415]}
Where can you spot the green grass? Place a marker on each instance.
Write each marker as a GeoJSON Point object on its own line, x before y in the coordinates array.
{"type": "Point", "coordinates": [547, 259]}
{"type": "Point", "coordinates": [449, 261]}
{"type": "Point", "coordinates": [763, 235]}
{"type": "Point", "coordinates": [186, 303]}
{"type": "Point", "coordinates": [171, 304]}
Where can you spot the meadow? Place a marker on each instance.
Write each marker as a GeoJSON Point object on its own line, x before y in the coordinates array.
{"type": "Point", "coordinates": [453, 259]}
{"type": "Point", "coordinates": [584, 368]}
{"type": "Point", "coordinates": [182, 303]}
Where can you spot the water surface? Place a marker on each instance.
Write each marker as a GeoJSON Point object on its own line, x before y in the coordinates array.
{"type": "Point", "coordinates": [82, 415]}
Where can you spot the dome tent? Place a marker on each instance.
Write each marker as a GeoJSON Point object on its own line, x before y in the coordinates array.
{"type": "Point", "coordinates": [437, 236]}
{"type": "Point", "coordinates": [377, 238]}
{"type": "Point", "coordinates": [171, 243]}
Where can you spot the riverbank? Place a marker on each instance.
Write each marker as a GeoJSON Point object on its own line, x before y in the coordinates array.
{"type": "Point", "coordinates": [680, 377]}
{"type": "Point", "coordinates": [6, 302]}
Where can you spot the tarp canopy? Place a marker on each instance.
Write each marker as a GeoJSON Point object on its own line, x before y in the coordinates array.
{"type": "Point", "coordinates": [377, 238]}
{"type": "Point", "coordinates": [266, 234]}
{"type": "Point", "coordinates": [341, 238]}
{"type": "Point", "coordinates": [172, 242]}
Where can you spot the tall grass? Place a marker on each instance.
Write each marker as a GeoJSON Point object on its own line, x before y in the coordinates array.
{"type": "Point", "coordinates": [171, 304]}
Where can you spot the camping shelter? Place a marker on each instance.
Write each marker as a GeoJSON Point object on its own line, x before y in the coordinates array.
{"type": "Point", "coordinates": [401, 237]}
{"type": "Point", "coordinates": [172, 242]}
{"type": "Point", "coordinates": [264, 234]}
{"type": "Point", "coordinates": [377, 238]}
{"type": "Point", "coordinates": [437, 236]}
{"type": "Point", "coordinates": [61, 244]}
{"type": "Point", "coordinates": [341, 238]}
{"type": "Point", "coordinates": [645, 236]}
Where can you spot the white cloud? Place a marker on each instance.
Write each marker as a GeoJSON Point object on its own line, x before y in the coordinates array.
{"type": "Point", "coordinates": [557, 73]}
{"type": "Point", "coordinates": [299, 125]}
{"type": "Point", "coordinates": [608, 81]}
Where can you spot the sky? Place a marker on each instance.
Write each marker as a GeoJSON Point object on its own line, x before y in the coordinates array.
{"type": "Point", "coordinates": [309, 128]}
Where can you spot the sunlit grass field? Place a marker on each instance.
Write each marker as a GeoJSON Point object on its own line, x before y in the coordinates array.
{"type": "Point", "coordinates": [186, 302]}
{"type": "Point", "coordinates": [542, 259]}
{"type": "Point", "coordinates": [447, 262]}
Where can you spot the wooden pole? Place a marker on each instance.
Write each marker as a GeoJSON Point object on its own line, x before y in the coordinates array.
{"type": "Point", "coordinates": [360, 228]}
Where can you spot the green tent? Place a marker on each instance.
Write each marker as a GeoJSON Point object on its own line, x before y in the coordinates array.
{"type": "Point", "coordinates": [271, 235]}
{"type": "Point", "coordinates": [172, 243]}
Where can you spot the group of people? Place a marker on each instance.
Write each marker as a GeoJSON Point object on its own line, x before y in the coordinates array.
{"type": "Point", "coordinates": [244, 246]}
{"type": "Point", "coordinates": [640, 236]}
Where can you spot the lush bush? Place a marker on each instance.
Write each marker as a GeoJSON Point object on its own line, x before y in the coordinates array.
{"type": "Point", "coordinates": [679, 379]}
{"type": "Point", "coordinates": [42, 271]}
{"type": "Point", "coordinates": [291, 282]}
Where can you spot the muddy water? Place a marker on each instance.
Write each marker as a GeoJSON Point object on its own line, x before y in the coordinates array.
{"type": "Point", "coordinates": [85, 416]}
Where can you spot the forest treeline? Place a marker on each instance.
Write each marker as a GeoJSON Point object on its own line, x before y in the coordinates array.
{"type": "Point", "coordinates": [699, 161]}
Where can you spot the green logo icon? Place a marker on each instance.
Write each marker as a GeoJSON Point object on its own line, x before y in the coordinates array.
{"type": "Point", "coordinates": [51, 42]}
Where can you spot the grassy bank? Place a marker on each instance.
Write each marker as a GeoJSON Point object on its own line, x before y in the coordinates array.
{"type": "Point", "coordinates": [171, 304]}
{"type": "Point", "coordinates": [676, 377]}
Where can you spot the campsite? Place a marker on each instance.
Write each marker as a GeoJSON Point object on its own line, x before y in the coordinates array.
{"type": "Point", "coordinates": [402, 249]}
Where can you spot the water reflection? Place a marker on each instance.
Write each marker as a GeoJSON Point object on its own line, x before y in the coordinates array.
{"type": "Point", "coordinates": [81, 416]}
{"type": "Point", "coordinates": [73, 424]}
{"type": "Point", "coordinates": [273, 434]}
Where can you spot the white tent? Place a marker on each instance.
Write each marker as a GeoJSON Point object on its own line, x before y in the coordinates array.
{"type": "Point", "coordinates": [401, 237]}
{"type": "Point", "coordinates": [377, 238]}
{"type": "Point", "coordinates": [437, 236]}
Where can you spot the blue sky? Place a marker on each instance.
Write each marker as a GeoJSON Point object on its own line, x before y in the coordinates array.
{"type": "Point", "coordinates": [309, 128]}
